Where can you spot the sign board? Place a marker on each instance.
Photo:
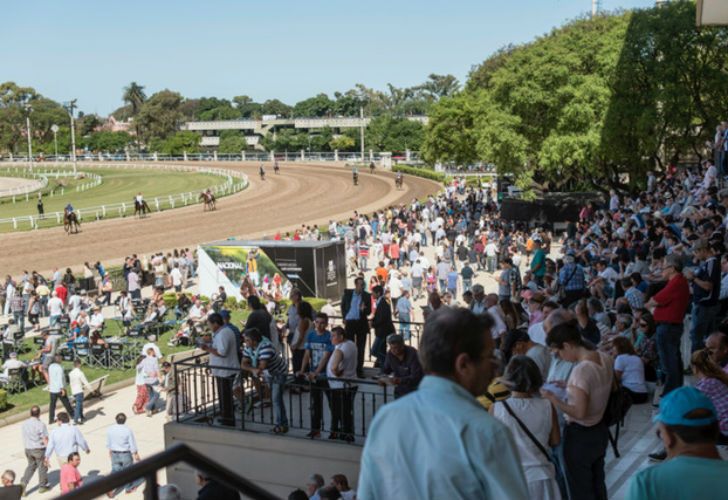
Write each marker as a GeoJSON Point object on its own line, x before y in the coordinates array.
{"type": "Point", "coordinates": [712, 13]}
{"type": "Point", "coordinates": [317, 268]}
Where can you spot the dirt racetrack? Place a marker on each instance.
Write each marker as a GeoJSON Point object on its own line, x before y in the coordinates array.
{"type": "Point", "coordinates": [300, 194]}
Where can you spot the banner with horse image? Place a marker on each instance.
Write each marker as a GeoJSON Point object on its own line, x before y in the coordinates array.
{"type": "Point", "coordinates": [238, 262]}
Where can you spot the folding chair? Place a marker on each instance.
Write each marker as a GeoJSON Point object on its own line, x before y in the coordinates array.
{"type": "Point", "coordinates": [16, 382]}
{"type": "Point", "coordinates": [99, 356]}
{"type": "Point", "coordinates": [67, 354]}
{"type": "Point", "coordinates": [116, 357]}
{"type": "Point", "coordinates": [18, 338]}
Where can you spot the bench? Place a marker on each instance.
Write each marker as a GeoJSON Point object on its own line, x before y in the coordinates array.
{"type": "Point", "coordinates": [94, 388]}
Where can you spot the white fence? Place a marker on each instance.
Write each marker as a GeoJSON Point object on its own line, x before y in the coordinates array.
{"type": "Point", "coordinates": [412, 157]}
{"type": "Point", "coordinates": [234, 182]}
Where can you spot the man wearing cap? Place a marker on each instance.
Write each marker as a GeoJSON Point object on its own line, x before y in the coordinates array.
{"type": "Point", "coordinates": [402, 365]}
{"type": "Point", "coordinates": [11, 364]}
{"type": "Point", "coordinates": [688, 427]}
{"type": "Point", "coordinates": [97, 319]}
{"type": "Point", "coordinates": [705, 283]}
{"type": "Point", "coordinates": [670, 305]}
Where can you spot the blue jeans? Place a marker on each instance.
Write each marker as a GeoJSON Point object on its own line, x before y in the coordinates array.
{"type": "Point", "coordinates": [490, 263]}
{"type": "Point", "coordinates": [404, 326]}
{"type": "Point", "coordinates": [379, 349]}
{"type": "Point", "coordinates": [702, 324]}
{"type": "Point", "coordinates": [277, 383]}
{"type": "Point", "coordinates": [467, 284]}
{"type": "Point", "coordinates": [153, 398]}
{"type": "Point", "coordinates": [668, 349]}
{"type": "Point", "coordinates": [122, 461]}
{"type": "Point", "coordinates": [78, 407]}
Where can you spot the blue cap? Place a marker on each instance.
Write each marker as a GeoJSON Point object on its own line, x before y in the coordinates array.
{"type": "Point", "coordinates": [225, 314]}
{"type": "Point", "coordinates": [680, 402]}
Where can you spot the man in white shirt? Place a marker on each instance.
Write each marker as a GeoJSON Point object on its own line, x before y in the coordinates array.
{"type": "Point", "coordinates": [499, 328]}
{"type": "Point", "coordinates": [224, 364]}
{"type": "Point", "coordinates": [176, 276]}
{"type": "Point", "coordinates": [55, 308]}
{"type": "Point", "coordinates": [57, 389]}
{"type": "Point", "coordinates": [11, 364]}
{"type": "Point", "coordinates": [151, 345]}
{"type": "Point", "coordinates": [97, 320]}
{"type": "Point", "coordinates": [64, 440]}
{"type": "Point", "coordinates": [78, 382]}
{"type": "Point", "coordinates": [195, 313]}
{"type": "Point", "coordinates": [74, 306]}
{"type": "Point", "coordinates": [122, 447]}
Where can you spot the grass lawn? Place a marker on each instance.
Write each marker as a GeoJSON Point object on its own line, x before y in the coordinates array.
{"type": "Point", "coordinates": [22, 401]}
{"type": "Point", "coordinates": [117, 186]}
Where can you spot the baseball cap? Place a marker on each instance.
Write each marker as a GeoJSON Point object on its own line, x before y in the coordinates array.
{"type": "Point", "coordinates": [225, 314]}
{"type": "Point", "coordinates": [680, 402]}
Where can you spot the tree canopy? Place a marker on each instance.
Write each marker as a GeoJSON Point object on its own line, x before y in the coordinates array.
{"type": "Point", "coordinates": [596, 103]}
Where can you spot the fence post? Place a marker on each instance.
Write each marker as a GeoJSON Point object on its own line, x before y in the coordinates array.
{"type": "Point", "coordinates": [58, 218]}
{"type": "Point", "coordinates": [123, 207]}
{"type": "Point", "coordinates": [156, 202]}
{"type": "Point", "coordinates": [79, 215]}
{"type": "Point", "coordinates": [15, 223]}
{"type": "Point", "coordinates": [32, 226]}
{"type": "Point", "coordinates": [103, 210]}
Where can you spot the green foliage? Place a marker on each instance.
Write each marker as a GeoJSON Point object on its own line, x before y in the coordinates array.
{"type": "Point", "coordinates": [160, 116]}
{"type": "Point", "coordinates": [275, 107]}
{"type": "Point", "coordinates": [342, 143]}
{"type": "Point", "coordinates": [177, 143]}
{"type": "Point", "coordinates": [212, 108]}
{"type": "Point", "coordinates": [3, 399]}
{"type": "Point", "coordinates": [232, 144]}
{"type": "Point", "coordinates": [427, 173]}
{"type": "Point", "coordinates": [386, 133]}
{"type": "Point", "coordinates": [317, 106]}
{"type": "Point", "coordinates": [591, 103]}
{"type": "Point", "coordinates": [246, 107]}
{"type": "Point", "coordinates": [107, 141]}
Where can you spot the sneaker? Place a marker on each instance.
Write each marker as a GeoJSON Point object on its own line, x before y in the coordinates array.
{"type": "Point", "coordinates": [313, 435]}
{"type": "Point", "coordinates": [149, 413]}
{"type": "Point", "coordinates": [334, 435]}
{"type": "Point", "coordinates": [42, 489]}
{"type": "Point", "coordinates": [660, 456]}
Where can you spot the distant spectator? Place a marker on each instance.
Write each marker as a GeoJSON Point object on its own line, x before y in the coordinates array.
{"type": "Point", "coordinates": [314, 484]}
{"type": "Point", "coordinates": [340, 482]}
{"type": "Point", "coordinates": [210, 489]}
{"type": "Point", "coordinates": [10, 490]}
{"type": "Point", "coordinates": [402, 365]}
{"type": "Point", "coordinates": [713, 382]}
{"type": "Point", "coordinates": [70, 476]}
{"type": "Point", "coordinates": [629, 370]}
{"type": "Point", "coordinates": [169, 492]}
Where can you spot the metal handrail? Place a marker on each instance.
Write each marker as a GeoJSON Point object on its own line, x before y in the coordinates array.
{"type": "Point", "coordinates": [148, 468]}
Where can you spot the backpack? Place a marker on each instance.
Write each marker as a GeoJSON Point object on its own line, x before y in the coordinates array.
{"type": "Point", "coordinates": [618, 405]}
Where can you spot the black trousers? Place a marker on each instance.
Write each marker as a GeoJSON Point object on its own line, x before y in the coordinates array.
{"type": "Point", "coordinates": [55, 396]}
{"type": "Point", "coordinates": [341, 406]}
{"type": "Point", "coordinates": [317, 403]}
{"type": "Point", "coordinates": [584, 451]}
{"type": "Point", "coordinates": [358, 331]}
{"type": "Point", "coordinates": [225, 396]}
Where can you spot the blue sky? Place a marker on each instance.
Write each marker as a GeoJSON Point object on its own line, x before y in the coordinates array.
{"type": "Point", "coordinates": [287, 49]}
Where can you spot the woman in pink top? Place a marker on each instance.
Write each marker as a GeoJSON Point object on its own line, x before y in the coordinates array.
{"type": "Point", "coordinates": [585, 435]}
{"type": "Point", "coordinates": [70, 477]}
{"type": "Point", "coordinates": [713, 382]}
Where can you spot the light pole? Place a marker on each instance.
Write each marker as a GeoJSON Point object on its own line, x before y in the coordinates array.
{"type": "Point", "coordinates": [54, 129]}
{"type": "Point", "coordinates": [28, 109]}
{"type": "Point", "coordinates": [70, 106]}
{"type": "Point", "coordinates": [361, 131]}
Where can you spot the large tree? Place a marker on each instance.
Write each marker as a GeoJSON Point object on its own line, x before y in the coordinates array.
{"type": "Point", "coordinates": [593, 104]}
{"type": "Point", "coordinates": [160, 116]}
{"type": "Point", "coordinates": [134, 97]}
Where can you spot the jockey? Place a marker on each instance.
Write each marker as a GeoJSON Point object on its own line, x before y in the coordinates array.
{"type": "Point", "coordinates": [139, 198]}
{"type": "Point", "coordinates": [69, 208]}
{"type": "Point", "coordinates": [262, 171]}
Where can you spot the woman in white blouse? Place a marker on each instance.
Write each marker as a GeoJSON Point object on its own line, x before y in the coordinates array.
{"type": "Point", "coordinates": [523, 378]}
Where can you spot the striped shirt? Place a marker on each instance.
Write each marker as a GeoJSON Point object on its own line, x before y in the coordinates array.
{"type": "Point", "coordinates": [265, 351]}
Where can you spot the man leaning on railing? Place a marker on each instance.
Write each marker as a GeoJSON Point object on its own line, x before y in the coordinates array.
{"type": "Point", "coordinates": [224, 365]}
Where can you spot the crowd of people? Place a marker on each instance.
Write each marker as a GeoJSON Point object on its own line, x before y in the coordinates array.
{"type": "Point", "coordinates": [632, 302]}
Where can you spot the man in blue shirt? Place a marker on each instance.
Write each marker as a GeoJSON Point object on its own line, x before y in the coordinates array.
{"type": "Point", "coordinates": [705, 283]}
{"type": "Point", "coordinates": [688, 427]}
{"type": "Point", "coordinates": [318, 348]}
{"type": "Point", "coordinates": [439, 442]}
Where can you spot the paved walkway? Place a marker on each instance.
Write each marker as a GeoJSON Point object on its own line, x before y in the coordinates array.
{"type": "Point", "coordinates": [100, 415]}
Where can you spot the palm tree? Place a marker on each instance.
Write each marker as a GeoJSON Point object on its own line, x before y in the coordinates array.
{"type": "Point", "coordinates": [134, 96]}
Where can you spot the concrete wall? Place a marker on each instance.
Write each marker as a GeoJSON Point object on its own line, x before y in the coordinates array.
{"type": "Point", "coordinates": [278, 463]}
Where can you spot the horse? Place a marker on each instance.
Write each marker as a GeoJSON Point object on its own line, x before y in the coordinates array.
{"type": "Point", "coordinates": [262, 174]}
{"type": "Point", "coordinates": [141, 208]}
{"type": "Point", "coordinates": [70, 222]}
{"type": "Point", "coordinates": [208, 199]}
{"type": "Point", "coordinates": [371, 168]}
{"type": "Point", "coordinates": [276, 168]}
{"type": "Point", "coordinates": [399, 181]}
{"type": "Point", "coordinates": [356, 178]}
